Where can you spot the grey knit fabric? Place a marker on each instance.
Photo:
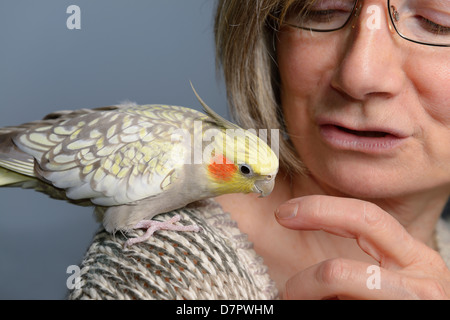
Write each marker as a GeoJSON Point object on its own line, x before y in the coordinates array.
{"type": "Point", "coordinates": [442, 237]}
{"type": "Point", "coordinates": [216, 263]}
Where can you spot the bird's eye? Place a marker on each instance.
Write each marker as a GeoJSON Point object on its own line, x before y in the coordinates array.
{"type": "Point", "coordinates": [245, 169]}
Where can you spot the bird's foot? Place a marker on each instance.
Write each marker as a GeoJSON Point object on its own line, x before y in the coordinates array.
{"type": "Point", "coordinates": [153, 225]}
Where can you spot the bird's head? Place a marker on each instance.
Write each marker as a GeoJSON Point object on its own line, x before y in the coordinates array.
{"type": "Point", "coordinates": [248, 169]}
{"type": "Point", "coordinates": [237, 160]}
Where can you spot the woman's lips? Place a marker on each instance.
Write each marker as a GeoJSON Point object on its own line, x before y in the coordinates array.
{"type": "Point", "coordinates": [366, 133]}
{"type": "Point", "coordinates": [370, 140]}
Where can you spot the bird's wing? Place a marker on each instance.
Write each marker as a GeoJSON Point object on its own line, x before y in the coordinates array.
{"type": "Point", "coordinates": [16, 160]}
{"type": "Point", "coordinates": [112, 157]}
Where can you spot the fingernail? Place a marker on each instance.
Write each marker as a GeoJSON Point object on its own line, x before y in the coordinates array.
{"type": "Point", "coordinates": [287, 211]}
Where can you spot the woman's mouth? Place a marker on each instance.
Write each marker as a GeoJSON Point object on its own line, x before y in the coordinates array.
{"type": "Point", "coordinates": [368, 134]}
{"type": "Point", "coordinates": [370, 140]}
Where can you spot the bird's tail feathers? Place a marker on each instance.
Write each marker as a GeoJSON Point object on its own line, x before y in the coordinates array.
{"type": "Point", "coordinates": [9, 178]}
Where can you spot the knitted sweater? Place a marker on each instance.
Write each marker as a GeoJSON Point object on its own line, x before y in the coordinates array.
{"type": "Point", "coordinates": [216, 263]}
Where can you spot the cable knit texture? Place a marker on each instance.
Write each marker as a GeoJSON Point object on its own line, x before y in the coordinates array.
{"type": "Point", "coordinates": [443, 239]}
{"type": "Point", "coordinates": [217, 263]}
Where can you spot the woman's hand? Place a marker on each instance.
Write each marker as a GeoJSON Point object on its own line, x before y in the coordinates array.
{"type": "Point", "coordinates": [408, 269]}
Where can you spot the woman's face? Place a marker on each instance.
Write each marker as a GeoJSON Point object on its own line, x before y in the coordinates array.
{"type": "Point", "coordinates": [367, 111]}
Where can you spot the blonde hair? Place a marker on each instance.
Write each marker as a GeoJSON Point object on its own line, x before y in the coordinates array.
{"type": "Point", "coordinates": [245, 39]}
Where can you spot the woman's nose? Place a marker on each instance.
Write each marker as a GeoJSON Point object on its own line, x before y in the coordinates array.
{"type": "Point", "coordinates": [371, 62]}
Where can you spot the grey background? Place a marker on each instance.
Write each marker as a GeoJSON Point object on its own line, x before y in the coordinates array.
{"type": "Point", "coordinates": [140, 50]}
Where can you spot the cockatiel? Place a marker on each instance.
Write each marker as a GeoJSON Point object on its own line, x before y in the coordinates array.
{"type": "Point", "coordinates": [135, 161]}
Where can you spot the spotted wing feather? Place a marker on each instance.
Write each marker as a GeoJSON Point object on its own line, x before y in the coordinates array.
{"type": "Point", "coordinates": [112, 157]}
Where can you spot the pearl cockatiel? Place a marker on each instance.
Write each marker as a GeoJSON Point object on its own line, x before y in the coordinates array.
{"type": "Point", "coordinates": [133, 161]}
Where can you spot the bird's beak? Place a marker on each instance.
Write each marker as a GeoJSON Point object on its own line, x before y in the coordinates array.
{"type": "Point", "coordinates": [264, 186]}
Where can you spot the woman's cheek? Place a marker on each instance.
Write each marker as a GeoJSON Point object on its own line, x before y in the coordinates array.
{"type": "Point", "coordinates": [430, 77]}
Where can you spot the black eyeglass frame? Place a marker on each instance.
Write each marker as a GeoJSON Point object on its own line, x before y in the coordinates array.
{"type": "Point", "coordinates": [354, 12]}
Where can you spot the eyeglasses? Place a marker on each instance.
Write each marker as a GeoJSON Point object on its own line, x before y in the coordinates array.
{"type": "Point", "coordinates": [425, 22]}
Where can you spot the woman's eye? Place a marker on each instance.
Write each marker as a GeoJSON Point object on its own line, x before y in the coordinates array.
{"type": "Point", "coordinates": [320, 19]}
{"type": "Point", "coordinates": [323, 15]}
{"type": "Point", "coordinates": [434, 28]}
{"type": "Point", "coordinates": [320, 14]}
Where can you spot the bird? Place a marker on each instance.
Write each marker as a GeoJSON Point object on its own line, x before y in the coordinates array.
{"type": "Point", "coordinates": [133, 162]}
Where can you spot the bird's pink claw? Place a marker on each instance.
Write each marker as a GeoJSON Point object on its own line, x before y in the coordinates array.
{"type": "Point", "coordinates": [153, 225]}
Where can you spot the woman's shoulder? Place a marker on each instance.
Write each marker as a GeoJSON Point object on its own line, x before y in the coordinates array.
{"type": "Point", "coordinates": [216, 263]}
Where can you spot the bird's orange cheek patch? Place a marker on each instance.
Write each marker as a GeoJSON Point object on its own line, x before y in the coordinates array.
{"type": "Point", "coordinates": [220, 169]}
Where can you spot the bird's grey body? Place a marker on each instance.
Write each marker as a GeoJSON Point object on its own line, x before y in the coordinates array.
{"type": "Point", "coordinates": [135, 161]}
{"type": "Point", "coordinates": [65, 159]}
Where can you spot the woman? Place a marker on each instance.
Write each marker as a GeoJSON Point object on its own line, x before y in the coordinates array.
{"type": "Point", "coordinates": [367, 116]}
{"type": "Point", "coordinates": [359, 90]}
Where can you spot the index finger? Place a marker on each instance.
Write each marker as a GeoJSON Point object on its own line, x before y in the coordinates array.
{"type": "Point", "coordinates": [376, 232]}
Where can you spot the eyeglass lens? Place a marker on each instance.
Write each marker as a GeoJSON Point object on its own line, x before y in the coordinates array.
{"type": "Point", "coordinates": [422, 21]}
